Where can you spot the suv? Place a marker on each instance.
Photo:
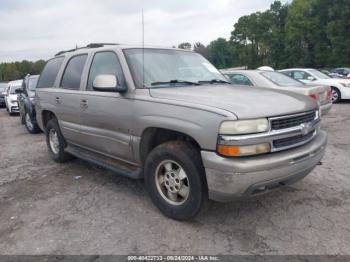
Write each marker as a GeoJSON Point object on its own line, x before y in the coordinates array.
{"type": "Point", "coordinates": [169, 116]}
{"type": "Point", "coordinates": [26, 103]}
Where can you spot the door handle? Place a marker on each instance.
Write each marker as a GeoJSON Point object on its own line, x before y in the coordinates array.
{"type": "Point", "coordinates": [58, 101]}
{"type": "Point", "coordinates": [83, 103]}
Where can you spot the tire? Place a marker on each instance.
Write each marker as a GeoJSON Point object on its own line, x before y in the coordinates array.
{"type": "Point", "coordinates": [56, 152]}
{"type": "Point", "coordinates": [336, 96]}
{"type": "Point", "coordinates": [31, 127]}
{"type": "Point", "coordinates": [180, 155]}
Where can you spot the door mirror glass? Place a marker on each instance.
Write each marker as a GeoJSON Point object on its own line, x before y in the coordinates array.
{"type": "Point", "coordinates": [107, 83]}
{"type": "Point", "coordinates": [19, 91]}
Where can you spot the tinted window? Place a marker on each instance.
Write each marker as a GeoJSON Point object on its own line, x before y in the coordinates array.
{"type": "Point", "coordinates": [238, 79]}
{"type": "Point", "coordinates": [105, 63]}
{"type": "Point", "coordinates": [72, 74]}
{"type": "Point", "coordinates": [49, 73]}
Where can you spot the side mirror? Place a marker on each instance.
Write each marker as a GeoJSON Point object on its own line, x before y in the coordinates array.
{"type": "Point", "coordinates": [107, 83]}
{"type": "Point", "coordinates": [19, 91]}
{"type": "Point", "coordinates": [310, 78]}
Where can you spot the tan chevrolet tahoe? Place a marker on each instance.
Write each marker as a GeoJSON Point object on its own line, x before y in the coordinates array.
{"type": "Point", "coordinates": [170, 117]}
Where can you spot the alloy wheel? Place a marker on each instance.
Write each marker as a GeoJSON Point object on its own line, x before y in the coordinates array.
{"type": "Point", "coordinates": [172, 182]}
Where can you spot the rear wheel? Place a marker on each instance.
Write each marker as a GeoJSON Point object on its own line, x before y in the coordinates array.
{"type": "Point", "coordinates": [56, 142]}
{"type": "Point", "coordinates": [336, 96]}
{"type": "Point", "coordinates": [30, 126]}
{"type": "Point", "coordinates": [175, 179]}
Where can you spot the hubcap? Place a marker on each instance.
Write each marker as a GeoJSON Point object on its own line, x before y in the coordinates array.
{"type": "Point", "coordinates": [28, 122]}
{"type": "Point", "coordinates": [334, 95]}
{"type": "Point", "coordinates": [53, 140]}
{"type": "Point", "coordinates": [172, 182]}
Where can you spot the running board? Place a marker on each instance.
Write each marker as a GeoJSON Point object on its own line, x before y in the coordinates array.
{"type": "Point", "coordinates": [114, 165]}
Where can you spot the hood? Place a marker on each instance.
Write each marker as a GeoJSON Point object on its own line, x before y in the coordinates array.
{"type": "Point", "coordinates": [244, 102]}
{"type": "Point", "coordinates": [13, 96]}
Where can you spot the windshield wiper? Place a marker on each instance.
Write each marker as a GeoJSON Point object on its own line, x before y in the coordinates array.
{"type": "Point", "coordinates": [215, 81]}
{"type": "Point", "coordinates": [175, 81]}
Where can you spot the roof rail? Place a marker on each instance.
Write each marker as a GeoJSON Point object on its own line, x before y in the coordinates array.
{"type": "Point", "coordinates": [92, 45]}
{"type": "Point", "coordinates": [95, 45]}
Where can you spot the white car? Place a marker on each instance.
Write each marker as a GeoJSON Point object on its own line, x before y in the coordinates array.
{"type": "Point", "coordinates": [274, 80]}
{"type": "Point", "coordinates": [340, 87]}
{"type": "Point", "coordinates": [11, 96]}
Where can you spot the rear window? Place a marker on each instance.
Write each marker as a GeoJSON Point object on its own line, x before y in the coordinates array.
{"type": "Point", "coordinates": [49, 73]}
{"type": "Point", "coordinates": [281, 79]}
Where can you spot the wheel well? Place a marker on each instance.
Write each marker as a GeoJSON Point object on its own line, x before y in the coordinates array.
{"type": "Point", "coordinates": [153, 137]}
{"type": "Point", "coordinates": [47, 115]}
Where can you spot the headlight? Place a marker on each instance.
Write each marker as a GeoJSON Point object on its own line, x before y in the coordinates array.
{"type": "Point", "coordinates": [244, 127]}
{"type": "Point", "coordinates": [243, 150]}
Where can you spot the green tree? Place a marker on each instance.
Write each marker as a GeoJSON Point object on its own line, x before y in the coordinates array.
{"type": "Point", "coordinates": [220, 53]}
{"type": "Point", "coordinates": [185, 45]}
{"type": "Point", "coordinates": [201, 49]}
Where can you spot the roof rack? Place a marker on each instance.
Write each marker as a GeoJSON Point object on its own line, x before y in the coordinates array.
{"type": "Point", "coordinates": [92, 45]}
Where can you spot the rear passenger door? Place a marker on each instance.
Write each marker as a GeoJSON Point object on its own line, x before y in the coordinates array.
{"type": "Point", "coordinates": [68, 100]}
{"type": "Point", "coordinates": [106, 117]}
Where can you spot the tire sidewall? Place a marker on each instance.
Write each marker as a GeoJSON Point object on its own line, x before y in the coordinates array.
{"type": "Point", "coordinates": [35, 128]}
{"type": "Point", "coordinates": [59, 157]}
{"type": "Point", "coordinates": [338, 92]}
{"type": "Point", "coordinates": [194, 174]}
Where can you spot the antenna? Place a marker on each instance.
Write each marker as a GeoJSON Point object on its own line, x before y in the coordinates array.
{"type": "Point", "coordinates": [143, 50]}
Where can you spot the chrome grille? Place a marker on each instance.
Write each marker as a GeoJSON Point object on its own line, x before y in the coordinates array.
{"type": "Point", "coordinates": [287, 122]}
{"type": "Point", "coordinates": [293, 141]}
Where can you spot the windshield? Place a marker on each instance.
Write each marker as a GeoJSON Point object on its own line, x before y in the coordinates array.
{"type": "Point", "coordinates": [164, 67]}
{"type": "Point", "coordinates": [32, 83]}
{"type": "Point", "coordinates": [281, 79]}
{"type": "Point", "coordinates": [13, 89]}
{"type": "Point", "coordinates": [318, 74]}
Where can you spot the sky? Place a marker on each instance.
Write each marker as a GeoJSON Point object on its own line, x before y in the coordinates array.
{"type": "Point", "coordinates": [37, 29]}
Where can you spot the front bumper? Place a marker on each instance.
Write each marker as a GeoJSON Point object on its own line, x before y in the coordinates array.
{"type": "Point", "coordinates": [13, 107]}
{"type": "Point", "coordinates": [230, 178]}
{"type": "Point", "coordinates": [325, 108]}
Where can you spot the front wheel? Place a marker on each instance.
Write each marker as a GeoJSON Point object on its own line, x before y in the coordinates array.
{"type": "Point", "coordinates": [175, 179]}
{"type": "Point", "coordinates": [56, 142]}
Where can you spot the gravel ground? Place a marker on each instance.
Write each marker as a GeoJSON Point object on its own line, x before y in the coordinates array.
{"type": "Point", "coordinates": [79, 208]}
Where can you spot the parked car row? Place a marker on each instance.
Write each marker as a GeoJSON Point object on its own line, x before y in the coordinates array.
{"type": "Point", "coordinates": [275, 80]}
{"type": "Point", "coordinates": [19, 97]}
{"type": "Point", "coordinates": [307, 81]}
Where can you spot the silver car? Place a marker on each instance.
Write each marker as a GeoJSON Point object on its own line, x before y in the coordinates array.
{"type": "Point", "coordinates": [278, 81]}
{"type": "Point", "coordinates": [170, 117]}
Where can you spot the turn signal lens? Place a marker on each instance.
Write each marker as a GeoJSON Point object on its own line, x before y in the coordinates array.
{"type": "Point", "coordinates": [313, 97]}
{"type": "Point", "coordinates": [243, 150]}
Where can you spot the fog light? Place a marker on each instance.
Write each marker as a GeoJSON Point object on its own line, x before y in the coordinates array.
{"type": "Point", "coordinates": [243, 150]}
